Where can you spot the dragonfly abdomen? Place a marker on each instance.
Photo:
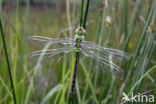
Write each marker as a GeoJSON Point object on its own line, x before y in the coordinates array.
{"type": "Point", "coordinates": [74, 74]}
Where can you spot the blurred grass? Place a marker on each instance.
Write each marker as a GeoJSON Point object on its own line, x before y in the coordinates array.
{"type": "Point", "coordinates": [131, 30]}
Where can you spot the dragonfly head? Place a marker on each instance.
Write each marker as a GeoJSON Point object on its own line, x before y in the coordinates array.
{"type": "Point", "coordinates": [80, 31]}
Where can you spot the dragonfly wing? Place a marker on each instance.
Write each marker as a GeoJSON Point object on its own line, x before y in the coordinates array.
{"type": "Point", "coordinates": [106, 63]}
{"type": "Point", "coordinates": [116, 54]}
{"type": "Point", "coordinates": [52, 52]}
{"type": "Point", "coordinates": [51, 40]}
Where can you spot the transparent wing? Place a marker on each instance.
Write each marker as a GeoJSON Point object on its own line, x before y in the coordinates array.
{"type": "Point", "coordinates": [106, 62]}
{"type": "Point", "coordinates": [116, 54]}
{"type": "Point", "coordinates": [52, 40]}
{"type": "Point", "coordinates": [52, 52]}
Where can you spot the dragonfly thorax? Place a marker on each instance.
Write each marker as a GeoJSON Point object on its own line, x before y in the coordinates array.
{"type": "Point", "coordinates": [79, 37]}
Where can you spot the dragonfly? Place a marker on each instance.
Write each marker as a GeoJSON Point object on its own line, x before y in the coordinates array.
{"type": "Point", "coordinates": [80, 46]}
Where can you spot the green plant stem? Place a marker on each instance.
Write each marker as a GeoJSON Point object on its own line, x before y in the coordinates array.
{"type": "Point", "coordinates": [81, 18]}
{"type": "Point", "coordinates": [8, 64]}
{"type": "Point", "coordinates": [139, 44]}
{"type": "Point", "coordinates": [141, 78]}
{"type": "Point", "coordinates": [126, 17]}
{"type": "Point", "coordinates": [86, 14]}
{"type": "Point", "coordinates": [138, 8]}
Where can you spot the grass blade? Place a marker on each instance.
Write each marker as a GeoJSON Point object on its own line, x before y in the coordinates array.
{"type": "Point", "coordinates": [53, 90]}
{"type": "Point", "coordinates": [141, 79]}
{"type": "Point", "coordinates": [8, 64]}
{"type": "Point", "coordinates": [139, 44]}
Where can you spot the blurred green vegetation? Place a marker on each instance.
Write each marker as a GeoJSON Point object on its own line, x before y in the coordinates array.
{"type": "Point", "coordinates": [132, 30]}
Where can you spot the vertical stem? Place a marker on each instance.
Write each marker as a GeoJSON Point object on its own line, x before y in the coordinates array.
{"type": "Point", "coordinates": [81, 18]}
{"type": "Point", "coordinates": [86, 13]}
{"type": "Point", "coordinates": [68, 16]}
{"type": "Point", "coordinates": [1, 8]}
{"type": "Point", "coordinates": [126, 17]}
{"type": "Point", "coordinates": [8, 64]}
{"type": "Point", "coordinates": [149, 17]}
